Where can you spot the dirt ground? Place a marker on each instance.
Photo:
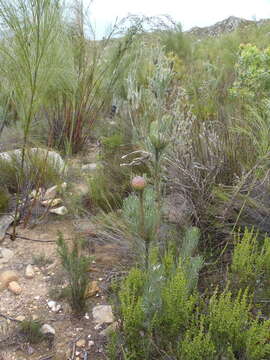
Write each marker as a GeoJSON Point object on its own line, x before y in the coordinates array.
{"type": "Point", "coordinates": [110, 260]}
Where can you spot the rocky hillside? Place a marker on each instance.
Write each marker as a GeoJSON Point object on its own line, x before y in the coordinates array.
{"type": "Point", "coordinates": [225, 26]}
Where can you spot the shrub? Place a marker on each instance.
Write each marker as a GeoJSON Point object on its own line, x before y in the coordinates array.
{"type": "Point", "coordinates": [228, 320]}
{"type": "Point", "coordinates": [76, 266]}
{"type": "Point", "coordinates": [197, 344]}
{"type": "Point", "coordinates": [250, 261]}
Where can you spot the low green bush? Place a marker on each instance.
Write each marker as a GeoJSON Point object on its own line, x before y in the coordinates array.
{"type": "Point", "coordinates": [251, 259]}
{"type": "Point", "coordinates": [161, 314]}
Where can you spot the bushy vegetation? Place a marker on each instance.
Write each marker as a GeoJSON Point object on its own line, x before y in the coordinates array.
{"type": "Point", "coordinates": [170, 116]}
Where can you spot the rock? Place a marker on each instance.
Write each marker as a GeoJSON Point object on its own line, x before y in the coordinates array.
{"type": "Point", "coordinates": [51, 157]}
{"type": "Point", "coordinates": [47, 329]}
{"type": "Point", "coordinates": [54, 306]}
{"type": "Point", "coordinates": [89, 167]}
{"type": "Point", "coordinates": [29, 272]}
{"type": "Point", "coordinates": [5, 222]}
{"type": "Point", "coordinates": [109, 329]}
{"type": "Point", "coordinates": [102, 314]}
{"type": "Point", "coordinates": [7, 276]}
{"type": "Point", "coordinates": [59, 211]}
{"type": "Point", "coordinates": [5, 255]}
{"type": "Point", "coordinates": [20, 318]}
{"type": "Point", "coordinates": [36, 194]}
{"type": "Point", "coordinates": [81, 343]}
{"type": "Point", "coordinates": [15, 288]}
{"type": "Point", "coordinates": [50, 193]}
{"type": "Point", "coordinates": [52, 202]}
{"type": "Point", "coordinates": [92, 289]}
{"type": "Point", "coordinates": [90, 343]}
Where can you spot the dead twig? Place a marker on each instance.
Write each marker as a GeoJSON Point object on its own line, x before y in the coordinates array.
{"type": "Point", "coordinates": [35, 240]}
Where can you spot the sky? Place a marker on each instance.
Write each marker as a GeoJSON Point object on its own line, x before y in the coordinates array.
{"type": "Point", "coordinates": [189, 12]}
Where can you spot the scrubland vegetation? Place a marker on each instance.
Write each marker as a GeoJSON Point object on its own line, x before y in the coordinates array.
{"type": "Point", "coordinates": [182, 175]}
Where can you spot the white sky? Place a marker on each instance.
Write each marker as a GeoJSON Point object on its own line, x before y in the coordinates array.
{"type": "Point", "coordinates": [189, 12]}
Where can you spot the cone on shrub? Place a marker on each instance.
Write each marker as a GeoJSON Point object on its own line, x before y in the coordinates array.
{"type": "Point", "coordinates": [138, 183]}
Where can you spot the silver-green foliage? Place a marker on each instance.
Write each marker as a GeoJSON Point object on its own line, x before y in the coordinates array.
{"type": "Point", "coordinates": [131, 213]}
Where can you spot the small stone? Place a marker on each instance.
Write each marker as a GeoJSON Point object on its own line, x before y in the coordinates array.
{"type": "Point", "coordinates": [36, 194]}
{"type": "Point", "coordinates": [81, 343]}
{"type": "Point", "coordinates": [54, 306]}
{"type": "Point", "coordinates": [86, 316]}
{"type": "Point", "coordinates": [52, 202]}
{"type": "Point", "coordinates": [102, 314]}
{"type": "Point", "coordinates": [7, 276]}
{"type": "Point", "coordinates": [59, 211]}
{"type": "Point", "coordinates": [15, 288]}
{"type": "Point", "coordinates": [92, 290]}
{"type": "Point", "coordinates": [29, 272]}
{"type": "Point", "coordinates": [20, 318]}
{"type": "Point", "coordinates": [91, 343]}
{"type": "Point", "coordinates": [47, 329]}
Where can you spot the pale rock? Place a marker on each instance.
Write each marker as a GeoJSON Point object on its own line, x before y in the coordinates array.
{"type": "Point", "coordinates": [81, 343]}
{"type": "Point", "coordinates": [59, 211]}
{"type": "Point", "coordinates": [5, 222]}
{"type": "Point", "coordinates": [54, 306]}
{"type": "Point", "coordinates": [109, 329]}
{"type": "Point", "coordinates": [36, 194]}
{"type": "Point", "coordinates": [20, 318]}
{"type": "Point", "coordinates": [90, 343]}
{"type": "Point", "coordinates": [52, 202]}
{"type": "Point", "coordinates": [15, 288]}
{"type": "Point", "coordinates": [50, 193]}
{"type": "Point", "coordinates": [50, 157]}
{"type": "Point", "coordinates": [89, 167]}
{"type": "Point", "coordinates": [29, 272]}
{"type": "Point", "coordinates": [47, 329]}
{"type": "Point", "coordinates": [102, 314]}
{"type": "Point", "coordinates": [7, 276]}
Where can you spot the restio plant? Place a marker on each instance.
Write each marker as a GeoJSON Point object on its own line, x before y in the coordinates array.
{"type": "Point", "coordinates": [76, 266]}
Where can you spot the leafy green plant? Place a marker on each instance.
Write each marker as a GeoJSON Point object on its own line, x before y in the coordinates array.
{"type": "Point", "coordinates": [228, 319]}
{"type": "Point", "coordinates": [250, 261]}
{"type": "Point", "coordinates": [76, 266]}
{"type": "Point", "coordinates": [197, 344]}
